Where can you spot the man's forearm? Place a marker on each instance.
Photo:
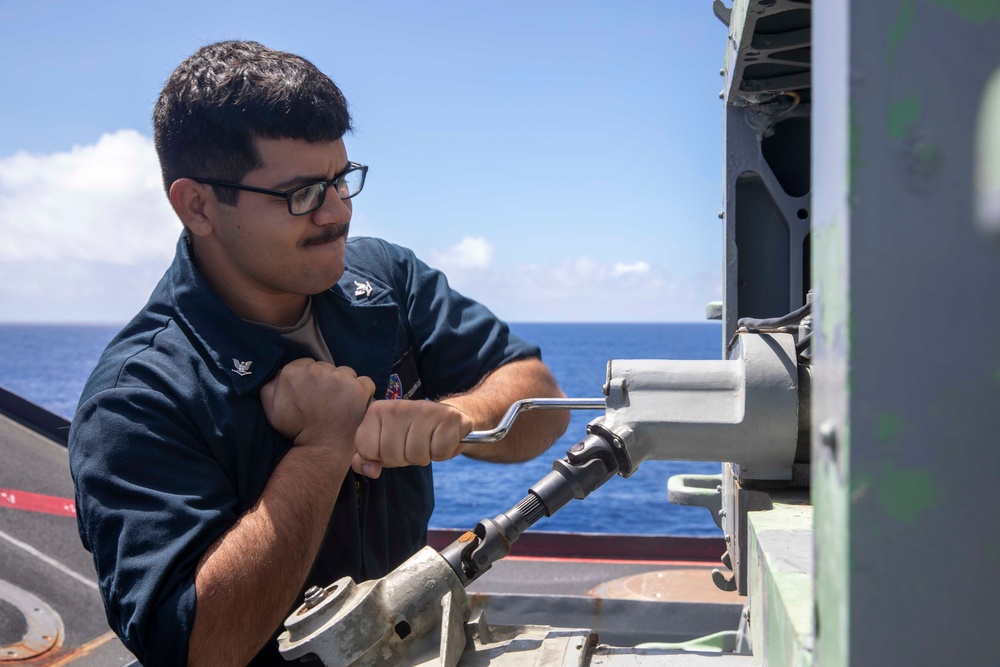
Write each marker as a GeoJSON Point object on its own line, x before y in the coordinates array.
{"type": "Point", "coordinates": [247, 581]}
{"type": "Point", "coordinates": [533, 432]}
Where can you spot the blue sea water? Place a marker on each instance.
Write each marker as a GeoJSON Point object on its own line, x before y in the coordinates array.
{"type": "Point", "coordinates": [49, 364]}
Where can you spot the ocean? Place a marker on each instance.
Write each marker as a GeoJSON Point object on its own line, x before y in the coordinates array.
{"type": "Point", "coordinates": [49, 364]}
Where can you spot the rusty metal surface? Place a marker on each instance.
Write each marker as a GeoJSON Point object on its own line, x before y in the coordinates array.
{"type": "Point", "coordinates": [40, 552]}
{"type": "Point", "coordinates": [537, 576]}
{"type": "Point", "coordinates": [102, 651]}
{"type": "Point", "coordinates": [690, 584]}
{"type": "Point", "coordinates": [43, 627]}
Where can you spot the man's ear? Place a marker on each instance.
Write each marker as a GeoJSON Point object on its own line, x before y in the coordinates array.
{"type": "Point", "coordinates": [195, 204]}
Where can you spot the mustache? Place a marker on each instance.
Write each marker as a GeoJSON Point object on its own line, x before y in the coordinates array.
{"type": "Point", "coordinates": [329, 233]}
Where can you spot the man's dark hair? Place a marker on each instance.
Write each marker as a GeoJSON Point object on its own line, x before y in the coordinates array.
{"type": "Point", "coordinates": [226, 95]}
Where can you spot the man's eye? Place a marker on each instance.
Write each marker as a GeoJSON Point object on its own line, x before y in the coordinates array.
{"type": "Point", "coordinates": [343, 187]}
{"type": "Point", "coordinates": [304, 197]}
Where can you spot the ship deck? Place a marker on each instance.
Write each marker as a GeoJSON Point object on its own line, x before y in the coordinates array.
{"type": "Point", "coordinates": [627, 588]}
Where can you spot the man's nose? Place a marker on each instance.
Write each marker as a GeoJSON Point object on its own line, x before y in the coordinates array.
{"type": "Point", "coordinates": [333, 211]}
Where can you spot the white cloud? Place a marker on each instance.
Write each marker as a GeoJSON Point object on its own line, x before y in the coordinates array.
{"type": "Point", "coordinates": [102, 202]}
{"type": "Point", "coordinates": [636, 268]}
{"type": "Point", "coordinates": [581, 289]}
{"type": "Point", "coordinates": [471, 253]}
{"type": "Point", "coordinates": [84, 234]}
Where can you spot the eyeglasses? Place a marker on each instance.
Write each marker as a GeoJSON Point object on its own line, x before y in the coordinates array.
{"type": "Point", "coordinates": [308, 198]}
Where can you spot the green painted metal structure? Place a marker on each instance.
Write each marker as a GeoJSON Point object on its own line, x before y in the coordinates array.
{"type": "Point", "coordinates": [895, 110]}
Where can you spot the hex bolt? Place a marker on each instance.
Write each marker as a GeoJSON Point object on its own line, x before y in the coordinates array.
{"type": "Point", "coordinates": [314, 596]}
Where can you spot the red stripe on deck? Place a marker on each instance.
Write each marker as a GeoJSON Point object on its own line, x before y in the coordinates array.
{"type": "Point", "coordinates": [36, 502]}
{"type": "Point", "coordinates": [613, 561]}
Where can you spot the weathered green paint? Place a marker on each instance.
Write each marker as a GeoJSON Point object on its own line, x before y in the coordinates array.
{"type": "Point", "coordinates": [718, 642]}
{"type": "Point", "coordinates": [832, 579]}
{"type": "Point", "coordinates": [833, 286]}
{"type": "Point", "coordinates": [976, 11]}
{"type": "Point", "coordinates": [993, 553]}
{"type": "Point", "coordinates": [781, 584]}
{"type": "Point", "coordinates": [926, 158]}
{"type": "Point", "coordinates": [831, 478]}
{"type": "Point", "coordinates": [904, 493]}
{"type": "Point", "coordinates": [861, 485]}
{"type": "Point", "coordinates": [779, 651]}
{"type": "Point", "coordinates": [899, 29]}
{"type": "Point", "coordinates": [996, 376]}
{"type": "Point", "coordinates": [902, 114]}
{"type": "Point", "coordinates": [888, 426]}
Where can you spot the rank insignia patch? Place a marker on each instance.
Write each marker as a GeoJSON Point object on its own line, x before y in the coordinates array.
{"type": "Point", "coordinates": [394, 390]}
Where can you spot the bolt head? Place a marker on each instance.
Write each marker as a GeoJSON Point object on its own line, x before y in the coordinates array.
{"type": "Point", "coordinates": [314, 596]}
{"type": "Point", "coordinates": [828, 433]}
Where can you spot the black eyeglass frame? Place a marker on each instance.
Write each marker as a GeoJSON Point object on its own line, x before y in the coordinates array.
{"type": "Point", "coordinates": [287, 194]}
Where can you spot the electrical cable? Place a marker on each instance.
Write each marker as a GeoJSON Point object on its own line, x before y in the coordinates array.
{"type": "Point", "coordinates": [793, 317]}
{"type": "Point", "coordinates": [804, 344]}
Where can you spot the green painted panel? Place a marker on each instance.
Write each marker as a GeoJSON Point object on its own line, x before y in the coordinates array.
{"type": "Point", "coordinates": [901, 116]}
{"type": "Point", "coordinates": [889, 425]}
{"type": "Point", "coordinates": [899, 29]}
{"type": "Point", "coordinates": [781, 583]}
{"type": "Point", "coordinates": [904, 493]}
{"type": "Point", "coordinates": [975, 11]}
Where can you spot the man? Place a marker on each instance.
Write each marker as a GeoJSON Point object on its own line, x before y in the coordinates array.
{"type": "Point", "coordinates": [224, 451]}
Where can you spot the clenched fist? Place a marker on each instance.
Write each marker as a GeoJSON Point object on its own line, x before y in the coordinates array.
{"type": "Point", "coordinates": [314, 403]}
{"type": "Point", "coordinates": [401, 433]}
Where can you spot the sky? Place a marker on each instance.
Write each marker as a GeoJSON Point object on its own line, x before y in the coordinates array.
{"type": "Point", "coordinates": [561, 161]}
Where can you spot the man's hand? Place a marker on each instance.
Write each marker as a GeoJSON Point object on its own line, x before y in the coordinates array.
{"type": "Point", "coordinates": [402, 433]}
{"type": "Point", "coordinates": [241, 596]}
{"type": "Point", "coordinates": [533, 432]}
{"type": "Point", "coordinates": [312, 402]}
